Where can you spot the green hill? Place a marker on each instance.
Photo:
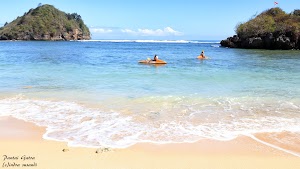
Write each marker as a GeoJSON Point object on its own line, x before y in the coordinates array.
{"type": "Point", "coordinates": [46, 23]}
{"type": "Point", "coordinates": [272, 29]}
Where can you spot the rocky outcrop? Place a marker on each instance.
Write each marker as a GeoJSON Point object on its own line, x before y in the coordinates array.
{"type": "Point", "coordinates": [46, 37]}
{"type": "Point", "coordinates": [272, 29]}
{"type": "Point", "coordinates": [268, 41]}
{"type": "Point", "coordinates": [46, 23]}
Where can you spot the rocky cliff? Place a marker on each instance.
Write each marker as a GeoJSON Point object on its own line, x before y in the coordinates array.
{"type": "Point", "coordinates": [46, 23]}
{"type": "Point", "coordinates": [272, 29]}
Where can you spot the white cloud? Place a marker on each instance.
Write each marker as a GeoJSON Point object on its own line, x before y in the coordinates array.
{"type": "Point", "coordinates": [123, 33]}
{"type": "Point", "coordinates": [172, 31]}
{"type": "Point", "coordinates": [127, 31]}
{"type": "Point", "coordinates": [100, 30]}
{"type": "Point", "coordinates": [168, 31]}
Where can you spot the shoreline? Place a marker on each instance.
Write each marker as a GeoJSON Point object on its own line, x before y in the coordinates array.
{"type": "Point", "coordinates": [23, 139]}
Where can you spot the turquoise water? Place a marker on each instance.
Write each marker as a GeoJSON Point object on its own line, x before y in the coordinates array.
{"type": "Point", "coordinates": [94, 93]}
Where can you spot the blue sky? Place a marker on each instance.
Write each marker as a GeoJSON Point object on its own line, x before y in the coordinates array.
{"type": "Point", "coordinates": [155, 19]}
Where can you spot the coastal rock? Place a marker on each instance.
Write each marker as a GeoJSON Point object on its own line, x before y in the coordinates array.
{"type": "Point", "coordinates": [298, 43]}
{"type": "Point", "coordinates": [231, 42]}
{"type": "Point", "coordinates": [3, 37]}
{"type": "Point", "coordinates": [267, 31]}
{"type": "Point", "coordinates": [264, 42]}
{"type": "Point", "coordinates": [227, 43]}
{"type": "Point", "coordinates": [46, 23]}
{"type": "Point", "coordinates": [283, 42]}
{"type": "Point", "coordinates": [253, 43]}
{"type": "Point", "coordinates": [268, 40]}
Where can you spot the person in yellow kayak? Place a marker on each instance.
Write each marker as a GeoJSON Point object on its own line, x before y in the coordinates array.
{"type": "Point", "coordinates": [202, 56]}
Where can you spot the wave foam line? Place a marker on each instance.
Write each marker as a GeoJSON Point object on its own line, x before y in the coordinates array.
{"type": "Point", "coordinates": [273, 146]}
{"type": "Point", "coordinates": [152, 41]}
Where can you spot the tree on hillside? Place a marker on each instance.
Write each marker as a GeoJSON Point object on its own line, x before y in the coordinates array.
{"type": "Point", "coordinates": [296, 12]}
{"type": "Point", "coordinates": [274, 20]}
{"type": "Point", "coordinates": [45, 23]}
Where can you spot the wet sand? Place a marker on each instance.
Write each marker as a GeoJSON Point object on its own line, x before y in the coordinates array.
{"type": "Point", "coordinates": [21, 143]}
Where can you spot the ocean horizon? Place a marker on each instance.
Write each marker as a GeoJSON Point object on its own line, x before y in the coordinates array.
{"type": "Point", "coordinates": [95, 93]}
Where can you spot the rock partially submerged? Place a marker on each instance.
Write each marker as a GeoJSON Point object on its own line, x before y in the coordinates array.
{"type": "Point", "coordinates": [262, 42]}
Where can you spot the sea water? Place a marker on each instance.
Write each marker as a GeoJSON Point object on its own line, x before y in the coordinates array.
{"type": "Point", "coordinates": [96, 94]}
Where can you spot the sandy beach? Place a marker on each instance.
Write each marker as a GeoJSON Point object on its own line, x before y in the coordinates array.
{"type": "Point", "coordinates": [119, 85]}
{"type": "Point", "coordinates": [22, 146]}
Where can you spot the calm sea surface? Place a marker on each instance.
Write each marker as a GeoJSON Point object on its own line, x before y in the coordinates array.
{"type": "Point", "coordinates": [94, 93]}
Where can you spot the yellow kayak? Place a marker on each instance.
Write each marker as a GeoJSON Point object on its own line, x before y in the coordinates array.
{"type": "Point", "coordinates": [152, 62]}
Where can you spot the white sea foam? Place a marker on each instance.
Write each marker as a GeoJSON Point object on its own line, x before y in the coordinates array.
{"type": "Point", "coordinates": [274, 146]}
{"type": "Point", "coordinates": [215, 46]}
{"type": "Point", "coordinates": [179, 120]}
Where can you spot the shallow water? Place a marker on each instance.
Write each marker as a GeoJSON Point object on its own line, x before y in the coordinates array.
{"type": "Point", "coordinates": [94, 93]}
